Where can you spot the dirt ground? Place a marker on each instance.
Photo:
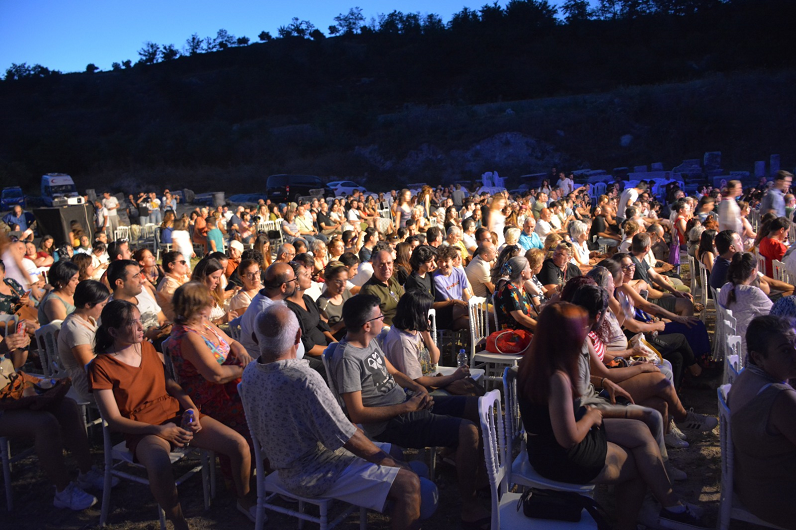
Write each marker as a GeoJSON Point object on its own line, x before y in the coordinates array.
{"type": "Point", "coordinates": [133, 507]}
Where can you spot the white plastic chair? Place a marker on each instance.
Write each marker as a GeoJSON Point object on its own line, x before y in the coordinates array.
{"type": "Point", "coordinates": [269, 486]}
{"type": "Point", "coordinates": [779, 267]}
{"type": "Point", "coordinates": [504, 504]}
{"type": "Point", "coordinates": [733, 360]}
{"type": "Point", "coordinates": [124, 459]}
{"type": "Point", "coordinates": [521, 471]}
{"type": "Point", "coordinates": [730, 506]}
{"type": "Point", "coordinates": [234, 328]}
{"type": "Point", "coordinates": [8, 461]}
{"type": "Point", "coordinates": [761, 263]}
{"type": "Point", "coordinates": [10, 322]}
{"type": "Point", "coordinates": [493, 363]}
{"type": "Point", "coordinates": [122, 233]}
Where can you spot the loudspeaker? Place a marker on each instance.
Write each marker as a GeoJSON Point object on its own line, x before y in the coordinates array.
{"type": "Point", "coordinates": [56, 222]}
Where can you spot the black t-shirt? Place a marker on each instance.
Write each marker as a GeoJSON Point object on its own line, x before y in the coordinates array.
{"type": "Point", "coordinates": [324, 221]}
{"type": "Point", "coordinates": [552, 275]}
{"type": "Point", "coordinates": [364, 254]}
{"type": "Point", "coordinates": [642, 270]}
{"type": "Point", "coordinates": [598, 225]}
{"type": "Point", "coordinates": [415, 283]}
{"type": "Point", "coordinates": [718, 277]}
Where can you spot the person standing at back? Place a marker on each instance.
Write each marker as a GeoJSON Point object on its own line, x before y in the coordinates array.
{"type": "Point", "coordinates": [774, 199]}
{"type": "Point", "coordinates": [628, 198]}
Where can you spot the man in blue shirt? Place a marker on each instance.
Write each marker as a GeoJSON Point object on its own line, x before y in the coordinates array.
{"type": "Point", "coordinates": [530, 239]}
{"type": "Point", "coordinates": [17, 217]}
{"type": "Point", "coordinates": [774, 199]}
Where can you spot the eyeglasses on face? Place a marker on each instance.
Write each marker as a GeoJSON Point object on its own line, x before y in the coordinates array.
{"type": "Point", "coordinates": [380, 317]}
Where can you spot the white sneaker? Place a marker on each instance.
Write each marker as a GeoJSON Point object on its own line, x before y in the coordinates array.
{"type": "Point", "coordinates": [74, 498]}
{"type": "Point", "coordinates": [674, 473]}
{"type": "Point", "coordinates": [674, 429]}
{"type": "Point", "coordinates": [672, 441]}
{"type": "Point", "coordinates": [95, 480]}
{"type": "Point", "coordinates": [698, 422]}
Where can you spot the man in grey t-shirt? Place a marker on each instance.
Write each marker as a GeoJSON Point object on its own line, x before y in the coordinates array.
{"type": "Point", "coordinates": [373, 393]}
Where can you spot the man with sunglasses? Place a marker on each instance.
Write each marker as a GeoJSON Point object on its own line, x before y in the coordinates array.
{"type": "Point", "coordinates": [392, 408]}
{"type": "Point", "coordinates": [279, 283]}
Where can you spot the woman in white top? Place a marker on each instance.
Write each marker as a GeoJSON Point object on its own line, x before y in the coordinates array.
{"type": "Point", "coordinates": [181, 239]}
{"type": "Point", "coordinates": [76, 338]}
{"type": "Point", "coordinates": [249, 271]}
{"type": "Point", "coordinates": [745, 300]}
{"type": "Point", "coordinates": [496, 220]}
{"type": "Point", "coordinates": [579, 232]}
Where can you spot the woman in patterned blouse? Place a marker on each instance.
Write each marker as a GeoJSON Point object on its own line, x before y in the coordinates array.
{"type": "Point", "coordinates": [512, 303]}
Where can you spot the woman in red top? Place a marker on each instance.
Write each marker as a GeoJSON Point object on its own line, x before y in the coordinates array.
{"type": "Point", "coordinates": [136, 398]}
{"type": "Point", "coordinates": [772, 246]}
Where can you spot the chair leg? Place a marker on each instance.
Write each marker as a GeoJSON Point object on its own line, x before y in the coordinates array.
{"type": "Point", "coordinates": [5, 450]}
{"type": "Point", "coordinates": [162, 517]}
{"type": "Point", "coordinates": [324, 516]}
{"type": "Point", "coordinates": [301, 510]}
{"type": "Point", "coordinates": [260, 519]}
{"type": "Point", "coordinates": [363, 518]}
{"type": "Point", "coordinates": [206, 479]}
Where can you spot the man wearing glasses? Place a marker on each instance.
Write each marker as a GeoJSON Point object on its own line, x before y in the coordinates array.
{"type": "Point", "coordinates": [393, 408]}
{"type": "Point", "coordinates": [280, 283]}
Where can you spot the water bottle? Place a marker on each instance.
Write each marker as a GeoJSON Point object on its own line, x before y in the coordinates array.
{"type": "Point", "coordinates": [461, 359]}
{"type": "Point", "coordinates": [44, 385]}
{"type": "Point", "coordinates": [187, 420]}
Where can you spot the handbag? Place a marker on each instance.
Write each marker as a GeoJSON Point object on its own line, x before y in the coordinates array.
{"type": "Point", "coordinates": [508, 341]}
{"type": "Point", "coordinates": [538, 503]}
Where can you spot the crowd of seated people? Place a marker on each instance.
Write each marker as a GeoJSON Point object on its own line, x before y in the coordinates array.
{"type": "Point", "coordinates": [340, 279]}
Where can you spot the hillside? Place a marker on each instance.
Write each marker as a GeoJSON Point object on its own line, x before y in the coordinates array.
{"type": "Point", "coordinates": [391, 108]}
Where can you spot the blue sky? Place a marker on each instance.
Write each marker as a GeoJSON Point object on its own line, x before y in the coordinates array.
{"type": "Point", "coordinates": [67, 35]}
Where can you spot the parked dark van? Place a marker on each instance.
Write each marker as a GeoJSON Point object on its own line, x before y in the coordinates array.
{"type": "Point", "coordinates": [282, 188]}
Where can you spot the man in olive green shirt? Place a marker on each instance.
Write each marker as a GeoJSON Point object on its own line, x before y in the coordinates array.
{"type": "Point", "coordinates": [383, 285]}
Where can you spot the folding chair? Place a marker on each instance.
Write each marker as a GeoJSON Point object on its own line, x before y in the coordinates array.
{"type": "Point", "coordinates": [269, 486]}
{"type": "Point", "coordinates": [733, 361]}
{"type": "Point", "coordinates": [10, 322]}
{"type": "Point", "coordinates": [8, 462]}
{"type": "Point", "coordinates": [234, 328]}
{"type": "Point", "coordinates": [521, 471]}
{"type": "Point", "coordinates": [493, 363]}
{"type": "Point", "coordinates": [47, 344]}
{"type": "Point", "coordinates": [730, 506]}
{"type": "Point", "coordinates": [761, 263]}
{"type": "Point", "coordinates": [124, 459]}
{"type": "Point", "coordinates": [504, 504]}
{"type": "Point", "coordinates": [779, 267]}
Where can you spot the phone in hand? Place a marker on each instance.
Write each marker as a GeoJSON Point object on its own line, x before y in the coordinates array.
{"type": "Point", "coordinates": [21, 327]}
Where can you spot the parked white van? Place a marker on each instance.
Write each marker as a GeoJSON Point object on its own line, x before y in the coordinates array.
{"type": "Point", "coordinates": [59, 186]}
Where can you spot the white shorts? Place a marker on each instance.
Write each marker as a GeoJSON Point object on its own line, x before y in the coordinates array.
{"type": "Point", "coordinates": [364, 484]}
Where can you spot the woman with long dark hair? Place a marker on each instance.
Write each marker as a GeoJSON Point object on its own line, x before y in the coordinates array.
{"type": "Point", "coordinates": [740, 294]}
{"type": "Point", "coordinates": [569, 436]}
{"type": "Point", "coordinates": [137, 399]}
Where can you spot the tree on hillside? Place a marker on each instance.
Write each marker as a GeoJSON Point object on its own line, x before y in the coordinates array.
{"type": "Point", "coordinates": [242, 41]}
{"type": "Point", "coordinates": [432, 23]}
{"type": "Point", "coordinates": [526, 15]}
{"type": "Point", "coordinates": [491, 16]}
{"type": "Point", "coordinates": [149, 53]}
{"type": "Point", "coordinates": [224, 40]}
{"type": "Point", "coordinates": [127, 63]}
{"type": "Point", "coordinates": [576, 11]}
{"type": "Point", "coordinates": [168, 52]}
{"type": "Point", "coordinates": [608, 9]}
{"type": "Point", "coordinates": [91, 68]}
{"type": "Point", "coordinates": [116, 67]}
{"type": "Point", "coordinates": [350, 23]}
{"type": "Point", "coordinates": [209, 45]}
{"type": "Point", "coordinates": [193, 45]}
{"type": "Point", "coordinates": [264, 36]}
{"type": "Point", "coordinates": [317, 34]}
{"type": "Point", "coordinates": [16, 72]}
{"type": "Point", "coordinates": [296, 28]}
{"type": "Point", "coordinates": [464, 20]}
{"type": "Point", "coordinates": [397, 23]}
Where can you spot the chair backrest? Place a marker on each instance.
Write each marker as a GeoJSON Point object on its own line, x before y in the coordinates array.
{"type": "Point", "coordinates": [259, 451]}
{"type": "Point", "coordinates": [511, 405]}
{"type": "Point", "coordinates": [730, 323]}
{"type": "Point", "coordinates": [761, 263]}
{"type": "Point", "coordinates": [694, 271]}
{"type": "Point", "coordinates": [11, 322]}
{"type": "Point", "coordinates": [494, 310]}
{"type": "Point", "coordinates": [432, 317]}
{"type": "Point", "coordinates": [168, 362]}
{"type": "Point", "coordinates": [479, 323]}
{"type": "Point", "coordinates": [703, 279]}
{"type": "Point", "coordinates": [779, 267]}
{"type": "Point", "coordinates": [47, 342]}
{"type": "Point", "coordinates": [727, 454]}
{"type": "Point", "coordinates": [234, 328]}
{"type": "Point", "coordinates": [326, 357]}
{"type": "Point", "coordinates": [494, 449]}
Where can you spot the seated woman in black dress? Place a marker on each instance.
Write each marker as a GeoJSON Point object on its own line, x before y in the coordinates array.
{"type": "Point", "coordinates": [569, 442]}
{"type": "Point", "coordinates": [315, 332]}
{"type": "Point", "coordinates": [424, 263]}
